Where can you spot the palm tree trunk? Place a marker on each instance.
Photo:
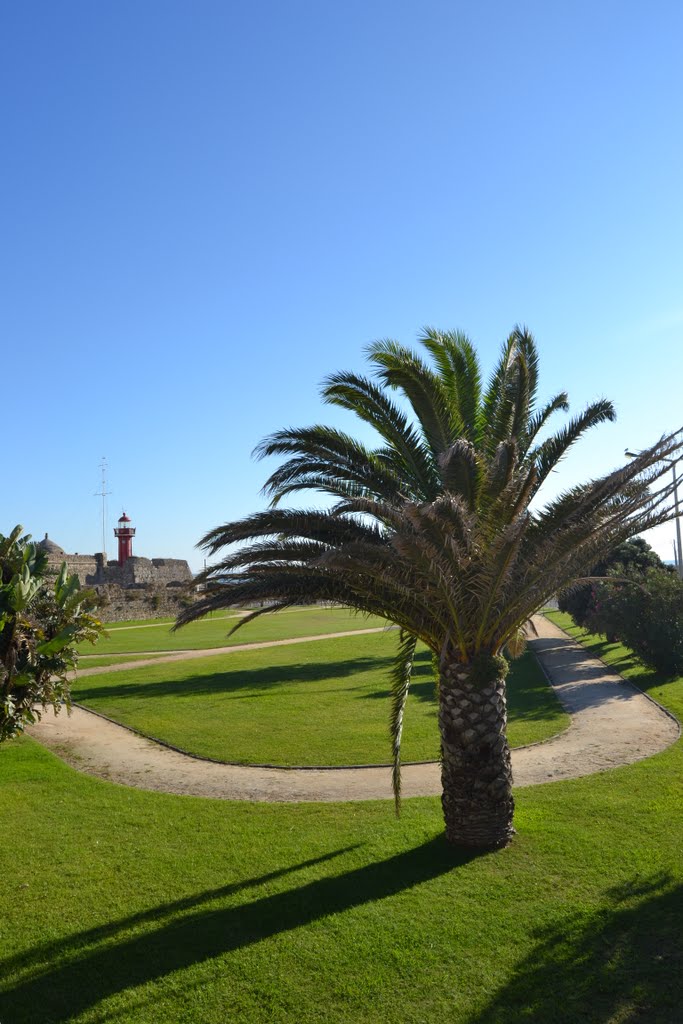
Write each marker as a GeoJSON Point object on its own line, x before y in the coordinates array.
{"type": "Point", "coordinates": [476, 771]}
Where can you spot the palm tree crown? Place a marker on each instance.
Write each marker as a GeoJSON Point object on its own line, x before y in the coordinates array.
{"type": "Point", "coordinates": [434, 528]}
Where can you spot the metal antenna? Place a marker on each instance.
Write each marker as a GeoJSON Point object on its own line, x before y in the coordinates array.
{"type": "Point", "coordinates": [102, 493]}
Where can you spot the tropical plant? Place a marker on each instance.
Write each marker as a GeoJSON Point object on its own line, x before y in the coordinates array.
{"type": "Point", "coordinates": [434, 529]}
{"type": "Point", "coordinates": [42, 618]}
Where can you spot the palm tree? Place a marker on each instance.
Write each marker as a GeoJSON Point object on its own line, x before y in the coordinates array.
{"type": "Point", "coordinates": [439, 530]}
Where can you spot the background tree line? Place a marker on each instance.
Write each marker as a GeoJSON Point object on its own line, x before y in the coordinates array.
{"type": "Point", "coordinates": [640, 604]}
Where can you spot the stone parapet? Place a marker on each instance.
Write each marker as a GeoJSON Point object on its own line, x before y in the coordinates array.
{"type": "Point", "coordinates": [141, 588]}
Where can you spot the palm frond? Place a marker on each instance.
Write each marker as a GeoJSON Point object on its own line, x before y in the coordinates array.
{"type": "Point", "coordinates": [550, 452]}
{"type": "Point", "coordinates": [314, 524]}
{"type": "Point", "coordinates": [370, 403]}
{"type": "Point", "coordinates": [560, 403]}
{"type": "Point", "coordinates": [400, 368]}
{"type": "Point", "coordinates": [326, 456]}
{"type": "Point", "coordinates": [401, 673]}
{"type": "Point", "coordinates": [458, 365]}
{"type": "Point", "coordinates": [461, 471]}
{"type": "Point", "coordinates": [510, 396]}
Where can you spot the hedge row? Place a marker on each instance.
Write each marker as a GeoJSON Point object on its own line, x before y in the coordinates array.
{"type": "Point", "coordinates": [638, 604]}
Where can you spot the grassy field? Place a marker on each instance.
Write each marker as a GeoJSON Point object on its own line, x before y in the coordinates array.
{"type": "Point", "coordinates": [134, 907]}
{"type": "Point", "coordinates": [320, 703]}
{"type": "Point", "coordinates": [132, 638]}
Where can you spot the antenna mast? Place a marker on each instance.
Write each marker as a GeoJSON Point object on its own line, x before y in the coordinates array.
{"type": "Point", "coordinates": [102, 493]}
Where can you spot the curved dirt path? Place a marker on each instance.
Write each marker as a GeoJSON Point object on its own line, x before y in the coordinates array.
{"type": "Point", "coordinates": [613, 723]}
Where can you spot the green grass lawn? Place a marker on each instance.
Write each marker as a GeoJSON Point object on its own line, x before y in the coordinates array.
{"type": "Point", "coordinates": [321, 703]}
{"type": "Point", "coordinates": [140, 908]}
{"type": "Point", "coordinates": [136, 637]}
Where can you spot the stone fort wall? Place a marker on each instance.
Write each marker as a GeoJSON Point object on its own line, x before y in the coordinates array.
{"type": "Point", "coordinates": [79, 565]}
{"type": "Point", "coordinates": [136, 571]}
{"type": "Point", "coordinates": [117, 604]}
{"type": "Point", "coordinates": [141, 588]}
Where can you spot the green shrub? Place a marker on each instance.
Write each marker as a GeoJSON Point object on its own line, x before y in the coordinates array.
{"type": "Point", "coordinates": [646, 614]}
{"type": "Point", "coordinates": [42, 619]}
{"type": "Point", "coordinates": [579, 601]}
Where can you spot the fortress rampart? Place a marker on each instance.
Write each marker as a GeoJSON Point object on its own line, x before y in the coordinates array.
{"type": "Point", "coordinates": [141, 588]}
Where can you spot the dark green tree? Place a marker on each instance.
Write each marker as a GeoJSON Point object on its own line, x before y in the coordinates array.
{"type": "Point", "coordinates": [579, 601]}
{"type": "Point", "coordinates": [645, 611]}
{"type": "Point", "coordinates": [42, 618]}
{"type": "Point", "coordinates": [434, 529]}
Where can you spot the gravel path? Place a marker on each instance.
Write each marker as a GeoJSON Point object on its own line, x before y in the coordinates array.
{"type": "Point", "coordinates": [613, 723]}
{"type": "Point", "coordinates": [161, 657]}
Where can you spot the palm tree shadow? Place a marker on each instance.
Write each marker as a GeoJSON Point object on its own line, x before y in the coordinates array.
{"type": "Point", "coordinates": [92, 936]}
{"type": "Point", "coordinates": [626, 662]}
{"type": "Point", "coordinates": [423, 684]}
{"type": "Point", "coordinates": [622, 963]}
{"type": "Point", "coordinates": [256, 681]}
{"type": "Point", "coordinates": [557, 653]}
{"type": "Point", "coordinates": [100, 963]}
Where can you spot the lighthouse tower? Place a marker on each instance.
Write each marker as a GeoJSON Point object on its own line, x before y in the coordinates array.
{"type": "Point", "coordinates": [125, 533]}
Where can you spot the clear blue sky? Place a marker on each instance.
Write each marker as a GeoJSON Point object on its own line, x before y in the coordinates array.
{"type": "Point", "coordinates": [206, 207]}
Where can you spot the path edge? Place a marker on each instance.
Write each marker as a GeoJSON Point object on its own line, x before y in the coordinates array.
{"type": "Point", "coordinates": [629, 682]}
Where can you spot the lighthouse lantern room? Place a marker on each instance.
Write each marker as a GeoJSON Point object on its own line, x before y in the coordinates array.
{"type": "Point", "coordinates": [125, 533]}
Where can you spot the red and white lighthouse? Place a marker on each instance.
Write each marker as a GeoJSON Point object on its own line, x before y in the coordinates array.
{"type": "Point", "coordinates": [125, 533]}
